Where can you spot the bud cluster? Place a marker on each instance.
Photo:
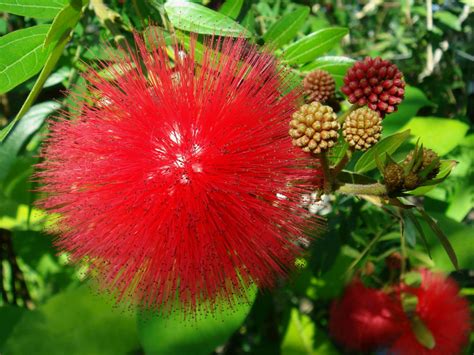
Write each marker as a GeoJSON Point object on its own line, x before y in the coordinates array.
{"type": "Point", "coordinates": [419, 166]}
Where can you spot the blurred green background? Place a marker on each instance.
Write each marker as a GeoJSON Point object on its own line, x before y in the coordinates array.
{"type": "Point", "coordinates": [47, 308]}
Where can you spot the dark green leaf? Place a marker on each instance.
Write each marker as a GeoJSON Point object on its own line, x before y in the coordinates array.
{"type": "Point", "coordinates": [200, 19]}
{"type": "Point", "coordinates": [75, 322]}
{"type": "Point", "coordinates": [387, 145]}
{"type": "Point", "coordinates": [22, 55]}
{"type": "Point", "coordinates": [31, 122]}
{"type": "Point", "coordinates": [461, 238]}
{"type": "Point", "coordinates": [170, 334]}
{"type": "Point", "coordinates": [409, 230]}
{"type": "Point", "coordinates": [420, 230]}
{"type": "Point", "coordinates": [231, 8]}
{"type": "Point", "coordinates": [33, 8]}
{"type": "Point", "coordinates": [313, 45]}
{"type": "Point", "coordinates": [441, 237]}
{"type": "Point", "coordinates": [9, 315]}
{"type": "Point", "coordinates": [338, 152]}
{"type": "Point", "coordinates": [353, 178]}
{"type": "Point", "coordinates": [285, 29]}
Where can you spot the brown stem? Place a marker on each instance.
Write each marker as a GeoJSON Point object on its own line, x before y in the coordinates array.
{"type": "Point", "coordinates": [328, 178]}
{"type": "Point", "coordinates": [376, 189]}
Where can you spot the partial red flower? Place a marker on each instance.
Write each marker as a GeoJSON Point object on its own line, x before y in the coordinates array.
{"type": "Point", "coordinates": [376, 83]}
{"type": "Point", "coordinates": [444, 313]}
{"type": "Point", "coordinates": [364, 318]}
{"type": "Point", "coordinates": [176, 180]}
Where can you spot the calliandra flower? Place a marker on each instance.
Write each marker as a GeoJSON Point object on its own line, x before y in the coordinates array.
{"type": "Point", "coordinates": [364, 318]}
{"type": "Point", "coordinates": [443, 312]}
{"type": "Point", "coordinates": [176, 180]}
{"type": "Point", "coordinates": [376, 83]}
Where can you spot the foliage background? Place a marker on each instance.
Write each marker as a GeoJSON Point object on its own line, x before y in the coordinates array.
{"type": "Point", "coordinates": [47, 308]}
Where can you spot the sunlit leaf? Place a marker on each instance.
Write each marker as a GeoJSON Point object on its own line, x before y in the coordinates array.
{"type": "Point", "coordinates": [196, 18]}
{"type": "Point", "coordinates": [285, 29]}
{"type": "Point", "coordinates": [33, 8]}
{"type": "Point", "coordinates": [22, 55]}
{"type": "Point", "coordinates": [314, 45]}
{"type": "Point", "coordinates": [387, 145]}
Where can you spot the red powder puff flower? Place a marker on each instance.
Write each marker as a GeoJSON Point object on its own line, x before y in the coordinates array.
{"type": "Point", "coordinates": [376, 83]}
{"type": "Point", "coordinates": [176, 180]}
{"type": "Point", "coordinates": [364, 318]}
{"type": "Point", "coordinates": [443, 312]}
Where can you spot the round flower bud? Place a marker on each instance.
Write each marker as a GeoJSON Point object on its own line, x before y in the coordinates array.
{"type": "Point", "coordinates": [393, 177]}
{"type": "Point", "coordinates": [429, 157]}
{"type": "Point", "coordinates": [362, 128]}
{"type": "Point", "coordinates": [376, 83]}
{"type": "Point", "coordinates": [314, 128]}
{"type": "Point", "coordinates": [412, 181]}
{"type": "Point", "coordinates": [319, 85]}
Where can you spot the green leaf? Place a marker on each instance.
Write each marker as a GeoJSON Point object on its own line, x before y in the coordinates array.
{"type": "Point", "coordinates": [441, 237]}
{"type": "Point", "coordinates": [64, 22]}
{"type": "Point", "coordinates": [411, 104]}
{"type": "Point", "coordinates": [338, 152]}
{"type": "Point", "coordinates": [285, 29]}
{"type": "Point", "coordinates": [409, 230]}
{"type": "Point", "coordinates": [75, 322]}
{"type": "Point", "coordinates": [387, 145]}
{"type": "Point", "coordinates": [353, 178]}
{"type": "Point", "coordinates": [22, 56]}
{"type": "Point", "coordinates": [231, 8]}
{"type": "Point", "coordinates": [303, 337]}
{"type": "Point", "coordinates": [249, 21]}
{"type": "Point", "coordinates": [422, 333]}
{"type": "Point", "coordinates": [448, 19]}
{"type": "Point", "coordinates": [33, 8]}
{"type": "Point", "coordinates": [412, 279]}
{"type": "Point", "coordinates": [445, 169]}
{"type": "Point", "coordinates": [47, 69]}
{"type": "Point", "coordinates": [31, 122]}
{"type": "Point", "coordinates": [313, 45]}
{"type": "Point", "coordinates": [461, 237]}
{"type": "Point", "coordinates": [170, 334]}
{"type": "Point", "coordinates": [439, 134]}
{"type": "Point", "coordinates": [200, 19]}
{"type": "Point", "coordinates": [9, 315]}
{"type": "Point", "coordinates": [334, 65]}
{"type": "Point", "coordinates": [420, 230]}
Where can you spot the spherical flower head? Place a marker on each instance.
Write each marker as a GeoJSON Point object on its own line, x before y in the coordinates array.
{"type": "Point", "coordinates": [444, 313]}
{"type": "Point", "coordinates": [376, 83]}
{"type": "Point", "coordinates": [319, 86]}
{"type": "Point", "coordinates": [176, 180]}
{"type": "Point", "coordinates": [364, 318]}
